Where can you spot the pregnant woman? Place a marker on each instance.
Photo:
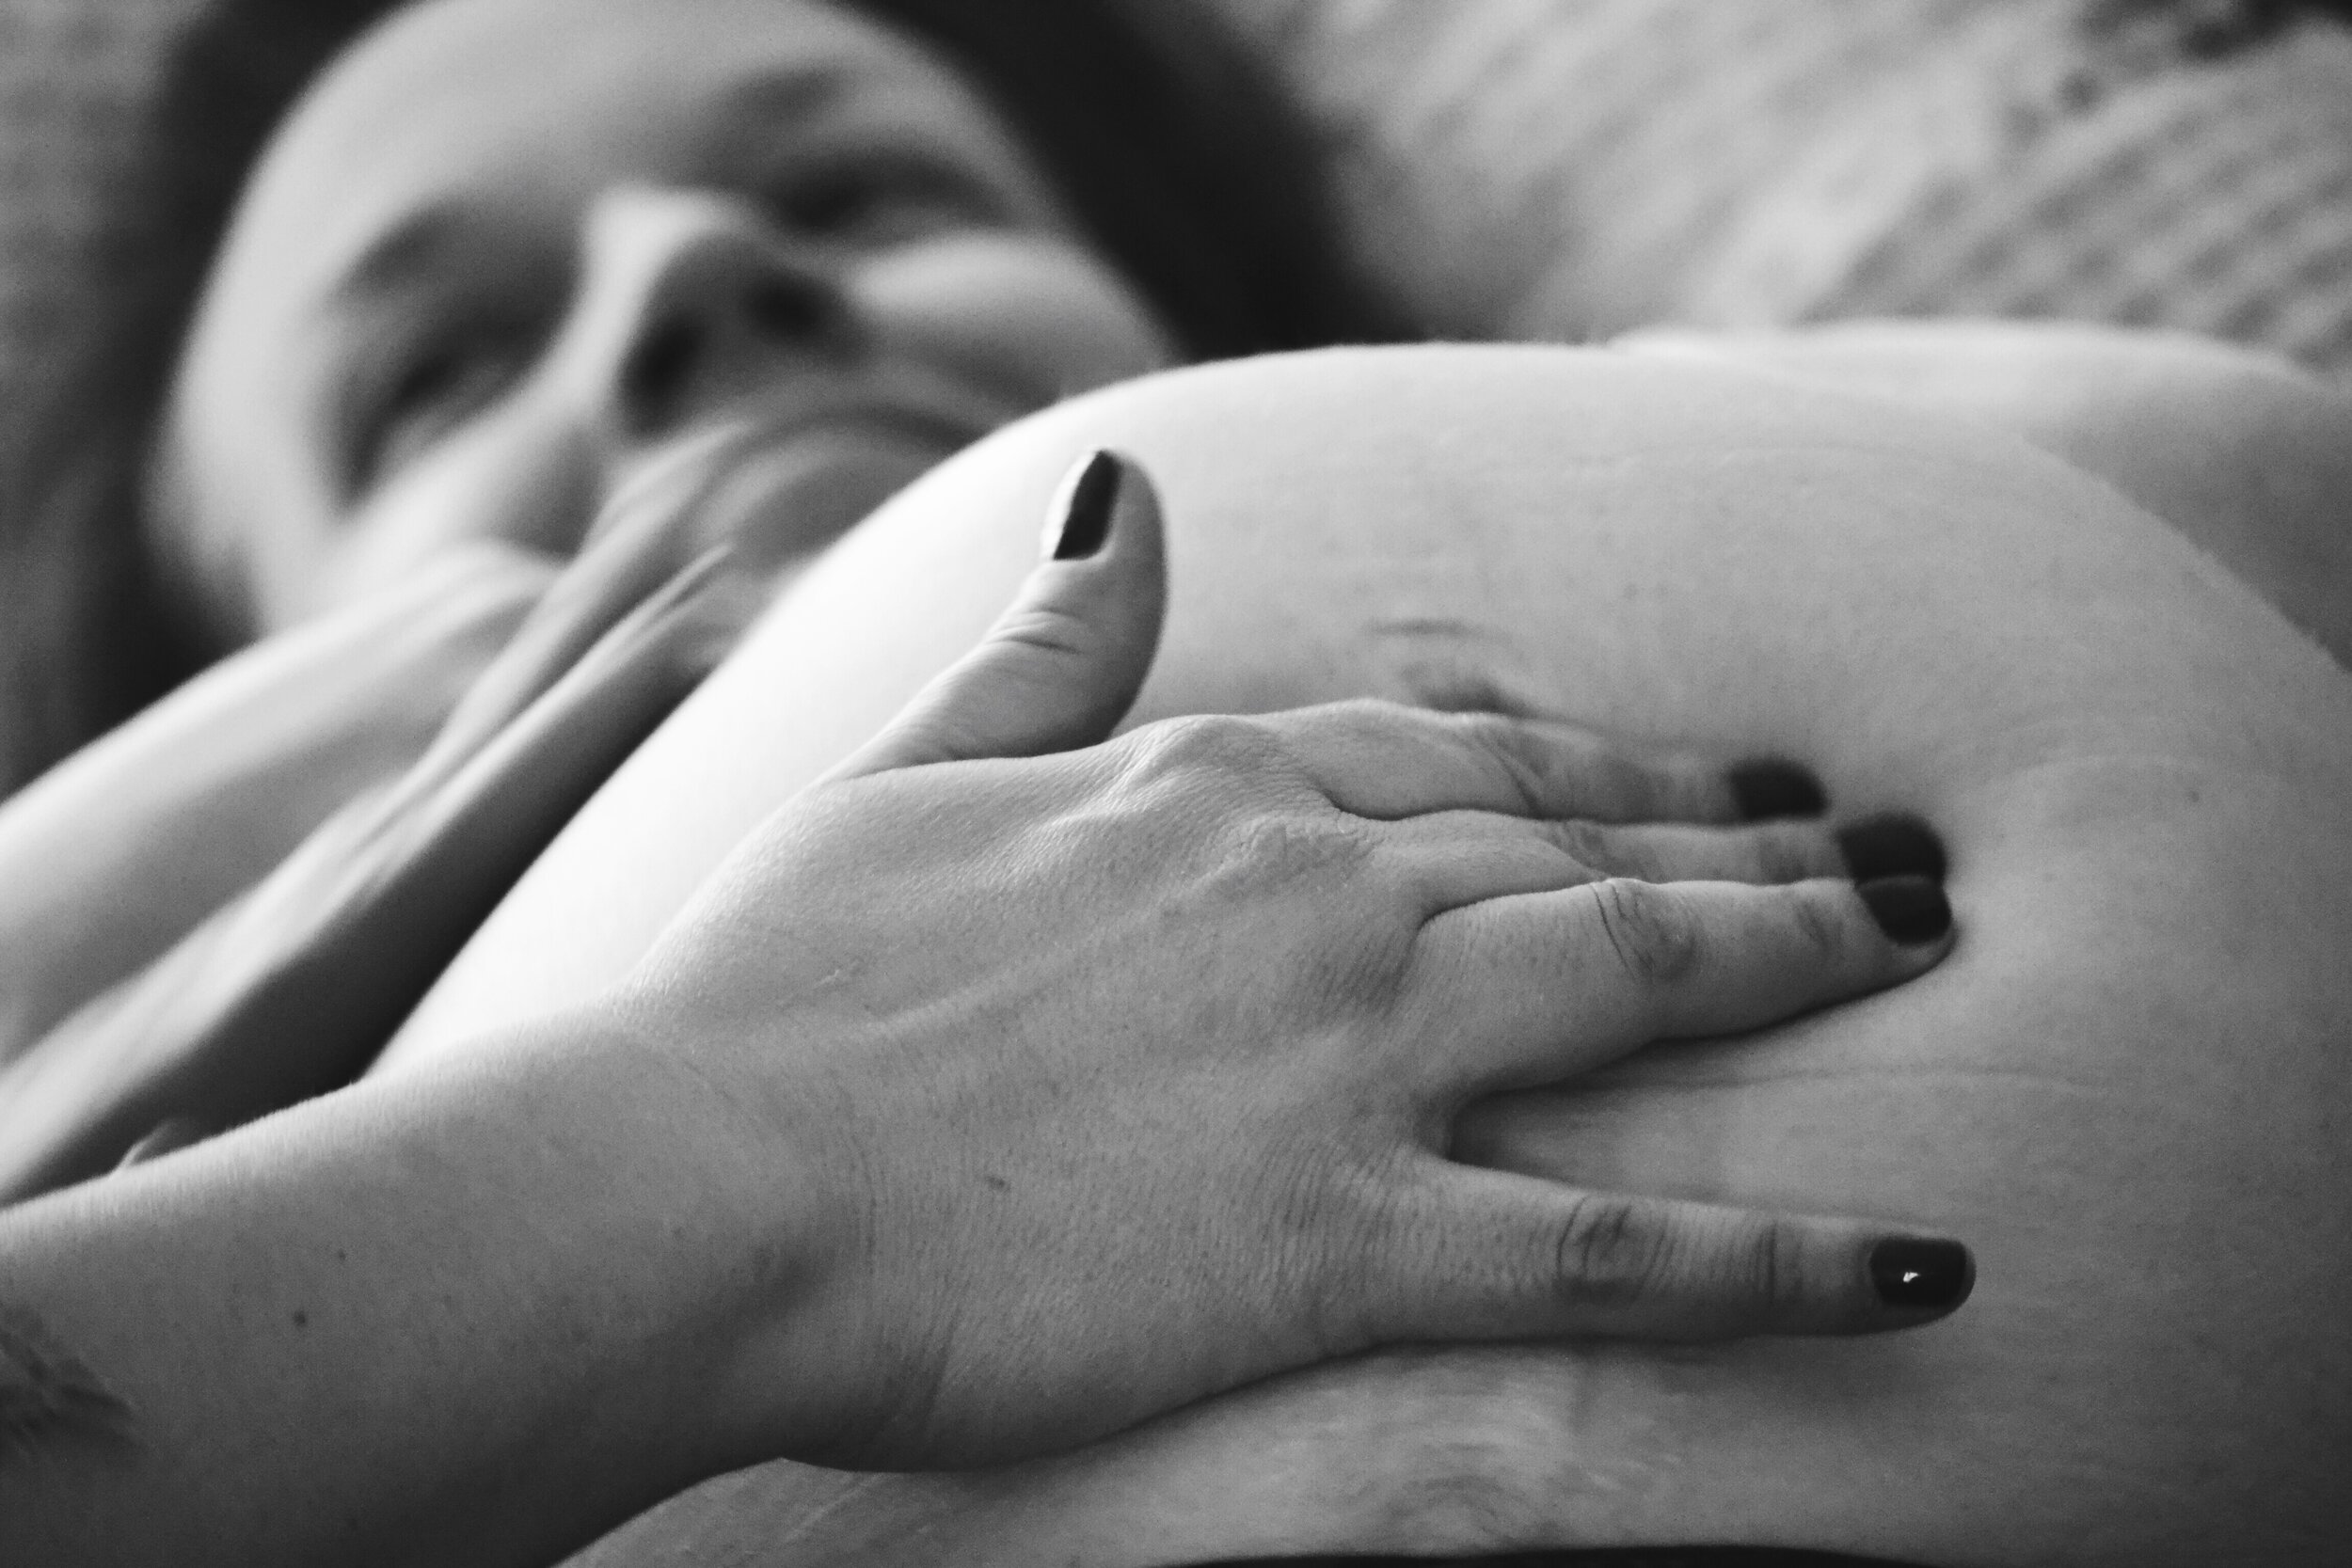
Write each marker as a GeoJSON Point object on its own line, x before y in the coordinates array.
{"type": "Point", "coordinates": [2125, 1086]}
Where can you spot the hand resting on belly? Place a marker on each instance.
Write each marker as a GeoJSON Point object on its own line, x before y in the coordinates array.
{"type": "Point", "coordinates": [2128, 1088]}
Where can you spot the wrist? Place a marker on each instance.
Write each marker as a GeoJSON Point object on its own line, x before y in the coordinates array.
{"type": "Point", "coordinates": [593, 1263]}
{"type": "Point", "coordinates": [479, 1314]}
{"type": "Point", "coordinates": [753, 1216]}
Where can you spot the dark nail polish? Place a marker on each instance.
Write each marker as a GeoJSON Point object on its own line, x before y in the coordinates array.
{"type": "Point", "coordinates": [1910, 910]}
{"type": "Point", "coordinates": [1088, 497]}
{"type": "Point", "coordinates": [1768, 787]}
{"type": "Point", "coordinates": [1891, 845]}
{"type": "Point", "coordinates": [1913, 1273]}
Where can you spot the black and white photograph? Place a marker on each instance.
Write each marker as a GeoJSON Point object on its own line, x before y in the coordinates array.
{"type": "Point", "coordinates": [1176, 783]}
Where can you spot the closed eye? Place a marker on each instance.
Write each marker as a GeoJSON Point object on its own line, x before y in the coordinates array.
{"type": "Point", "coordinates": [427, 395]}
{"type": "Point", "coordinates": [877, 199]}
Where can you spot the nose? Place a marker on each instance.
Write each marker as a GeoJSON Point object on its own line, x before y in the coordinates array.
{"type": "Point", "coordinates": [691, 303]}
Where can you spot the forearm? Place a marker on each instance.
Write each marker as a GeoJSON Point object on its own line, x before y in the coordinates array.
{"type": "Point", "coordinates": [385, 1326]}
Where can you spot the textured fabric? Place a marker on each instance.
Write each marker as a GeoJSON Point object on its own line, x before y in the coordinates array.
{"type": "Point", "coordinates": [1570, 168]}
{"type": "Point", "coordinates": [72, 76]}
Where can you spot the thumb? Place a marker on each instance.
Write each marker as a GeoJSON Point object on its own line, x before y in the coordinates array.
{"type": "Point", "coordinates": [1063, 664]}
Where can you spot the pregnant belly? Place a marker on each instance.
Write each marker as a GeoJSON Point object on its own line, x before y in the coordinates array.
{"type": "Point", "coordinates": [2128, 1087]}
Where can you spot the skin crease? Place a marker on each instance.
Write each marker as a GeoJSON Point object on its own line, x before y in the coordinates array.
{"type": "Point", "coordinates": [777, 214]}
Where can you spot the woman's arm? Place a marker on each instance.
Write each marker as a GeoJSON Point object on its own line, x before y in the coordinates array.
{"type": "Point", "coordinates": [460, 1320]}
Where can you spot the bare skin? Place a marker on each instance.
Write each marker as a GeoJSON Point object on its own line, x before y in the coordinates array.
{"type": "Point", "coordinates": [2127, 1077]}
{"type": "Point", "coordinates": [259, 523]}
{"type": "Point", "coordinates": [811, 1181]}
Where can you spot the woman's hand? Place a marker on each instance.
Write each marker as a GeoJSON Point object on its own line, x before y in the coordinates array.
{"type": "Point", "coordinates": [988, 1102]}
{"type": "Point", "coordinates": [119, 851]}
{"type": "Point", "coordinates": [288, 987]}
{"type": "Point", "coordinates": [1120, 1077]}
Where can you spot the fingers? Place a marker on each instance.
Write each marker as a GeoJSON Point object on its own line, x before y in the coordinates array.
{"type": "Point", "coordinates": [1458, 857]}
{"type": "Point", "coordinates": [1470, 1253]}
{"type": "Point", "coordinates": [289, 990]}
{"type": "Point", "coordinates": [1387, 761]}
{"type": "Point", "coordinates": [1563, 982]}
{"type": "Point", "coordinates": [351, 955]}
{"type": "Point", "coordinates": [1061, 667]}
{"type": "Point", "coordinates": [636, 543]}
{"type": "Point", "coordinates": [123, 847]}
{"type": "Point", "coordinates": [512, 796]}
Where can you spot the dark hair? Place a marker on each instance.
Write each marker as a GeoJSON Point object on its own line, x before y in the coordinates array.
{"type": "Point", "coordinates": [1192, 173]}
{"type": "Point", "coordinates": [2206, 29]}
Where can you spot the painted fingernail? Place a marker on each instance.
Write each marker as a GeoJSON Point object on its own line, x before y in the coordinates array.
{"type": "Point", "coordinates": [1891, 845]}
{"type": "Point", "coordinates": [1910, 910]}
{"type": "Point", "coordinates": [1914, 1273]}
{"type": "Point", "coordinates": [1082, 514]}
{"type": "Point", "coordinates": [1769, 787]}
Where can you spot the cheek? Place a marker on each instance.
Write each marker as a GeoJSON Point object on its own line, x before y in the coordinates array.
{"type": "Point", "coordinates": [1033, 314]}
{"type": "Point", "coordinates": [234, 526]}
{"type": "Point", "coordinates": [530, 484]}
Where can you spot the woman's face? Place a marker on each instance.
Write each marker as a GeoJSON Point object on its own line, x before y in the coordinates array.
{"type": "Point", "coordinates": [511, 250]}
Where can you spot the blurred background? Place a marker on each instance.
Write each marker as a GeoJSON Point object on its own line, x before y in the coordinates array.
{"type": "Point", "coordinates": [1571, 168]}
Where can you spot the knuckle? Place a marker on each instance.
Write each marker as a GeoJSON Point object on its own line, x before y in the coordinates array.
{"type": "Point", "coordinates": [1582, 841]}
{"type": "Point", "coordinates": [1806, 852]}
{"type": "Point", "coordinates": [1655, 936]}
{"type": "Point", "coordinates": [1361, 727]}
{"type": "Point", "coordinates": [1051, 631]}
{"type": "Point", "coordinates": [1606, 1253]}
{"type": "Point", "coordinates": [1217, 743]}
{"type": "Point", "coordinates": [1518, 756]}
{"type": "Point", "coordinates": [1782, 855]}
{"type": "Point", "coordinates": [1601, 849]}
{"type": "Point", "coordinates": [1376, 714]}
{"type": "Point", "coordinates": [1823, 929]}
{"type": "Point", "coordinates": [1767, 1266]}
{"type": "Point", "coordinates": [1296, 847]}
{"type": "Point", "coordinates": [1360, 733]}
